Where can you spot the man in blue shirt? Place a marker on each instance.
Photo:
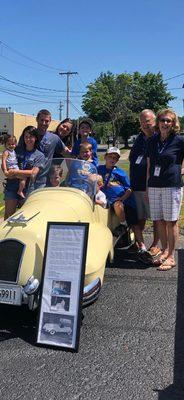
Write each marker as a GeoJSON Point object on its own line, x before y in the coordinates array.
{"type": "Point", "coordinates": [47, 143]}
{"type": "Point", "coordinates": [138, 176]}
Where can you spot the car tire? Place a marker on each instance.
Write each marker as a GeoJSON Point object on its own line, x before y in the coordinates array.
{"type": "Point", "coordinates": [52, 332]}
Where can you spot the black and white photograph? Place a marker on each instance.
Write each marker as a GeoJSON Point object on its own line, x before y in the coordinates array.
{"type": "Point", "coordinates": [61, 288]}
{"type": "Point", "coordinates": [60, 303]}
{"type": "Point", "coordinates": [57, 328]}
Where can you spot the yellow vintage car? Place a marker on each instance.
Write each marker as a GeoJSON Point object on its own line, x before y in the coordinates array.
{"type": "Point", "coordinates": [68, 197]}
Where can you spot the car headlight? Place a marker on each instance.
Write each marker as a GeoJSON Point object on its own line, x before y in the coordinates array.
{"type": "Point", "coordinates": [31, 285]}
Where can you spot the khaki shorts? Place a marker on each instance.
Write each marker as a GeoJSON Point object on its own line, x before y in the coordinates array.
{"type": "Point", "coordinates": [142, 204]}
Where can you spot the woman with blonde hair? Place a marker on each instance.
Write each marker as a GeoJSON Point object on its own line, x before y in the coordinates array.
{"type": "Point", "coordinates": [165, 155]}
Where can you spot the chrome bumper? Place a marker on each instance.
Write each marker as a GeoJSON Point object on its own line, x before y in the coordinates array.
{"type": "Point", "coordinates": [30, 293]}
{"type": "Point", "coordinates": [91, 292]}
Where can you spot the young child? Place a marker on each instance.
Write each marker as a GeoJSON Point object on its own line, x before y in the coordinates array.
{"type": "Point", "coordinates": [80, 171]}
{"type": "Point", "coordinates": [55, 175]}
{"type": "Point", "coordinates": [116, 187]}
{"type": "Point", "coordinates": [9, 160]}
{"type": "Point", "coordinates": [85, 130]}
{"type": "Point", "coordinates": [100, 197]}
{"type": "Point", "coordinates": [85, 152]}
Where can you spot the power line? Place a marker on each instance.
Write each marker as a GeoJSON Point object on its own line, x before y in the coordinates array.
{"type": "Point", "coordinates": [176, 88]}
{"type": "Point", "coordinates": [37, 87]}
{"type": "Point", "coordinates": [24, 65]}
{"type": "Point", "coordinates": [57, 96]}
{"type": "Point", "coordinates": [26, 98]}
{"type": "Point", "coordinates": [26, 57]}
{"type": "Point", "coordinates": [172, 77]}
{"type": "Point", "coordinates": [75, 107]}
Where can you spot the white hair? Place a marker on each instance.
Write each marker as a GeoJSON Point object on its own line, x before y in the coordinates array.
{"type": "Point", "coordinates": [146, 111]}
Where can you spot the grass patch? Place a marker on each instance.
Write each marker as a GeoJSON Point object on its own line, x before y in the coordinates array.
{"type": "Point", "coordinates": [1, 205]}
{"type": "Point", "coordinates": [124, 165]}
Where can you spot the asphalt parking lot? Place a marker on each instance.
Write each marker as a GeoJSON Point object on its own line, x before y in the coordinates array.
{"type": "Point", "coordinates": [131, 343]}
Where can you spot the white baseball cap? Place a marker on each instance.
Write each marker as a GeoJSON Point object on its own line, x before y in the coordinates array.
{"type": "Point", "coordinates": [113, 150]}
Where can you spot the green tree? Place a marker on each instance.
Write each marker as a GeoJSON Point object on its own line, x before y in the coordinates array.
{"type": "Point", "coordinates": [120, 98]}
{"type": "Point", "coordinates": [181, 119]}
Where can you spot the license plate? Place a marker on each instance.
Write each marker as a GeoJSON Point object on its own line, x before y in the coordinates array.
{"type": "Point", "coordinates": [11, 295]}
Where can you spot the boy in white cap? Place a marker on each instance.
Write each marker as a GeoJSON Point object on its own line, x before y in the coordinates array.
{"type": "Point", "coordinates": [117, 189]}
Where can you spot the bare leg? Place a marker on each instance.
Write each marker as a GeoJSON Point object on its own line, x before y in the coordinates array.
{"type": "Point", "coordinates": [162, 233]}
{"type": "Point", "coordinates": [119, 211]}
{"type": "Point", "coordinates": [138, 232]}
{"type": "Point", "coordinates": [10, 208]}
{"type": "Point", "coordinates": [138, 236]}
{"type": "Point", "coordinates": [155, 234]}
{"type": "Point", "coordinates": [22, 185]}
{"type": "Point", "coordinates": [172, 229]}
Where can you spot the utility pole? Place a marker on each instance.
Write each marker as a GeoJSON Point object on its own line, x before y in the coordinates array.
{"type": "Point", "coordinates": [67, 89]}
{"type": "Point", "coordinates": [60, 110]}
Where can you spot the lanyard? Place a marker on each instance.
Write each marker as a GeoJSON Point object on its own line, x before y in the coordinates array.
{"type": "Point", "coordinates": [107, 179]}
{"type": "Point", "coordinates": [161, 146]}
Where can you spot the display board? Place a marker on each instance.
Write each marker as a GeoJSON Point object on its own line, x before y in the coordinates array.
{"type": "Point", "coordinates": [62, 284]}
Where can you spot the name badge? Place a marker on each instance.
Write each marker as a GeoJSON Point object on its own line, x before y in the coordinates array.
{"type": "Point", "coordinates": [139, 159]}
{"type": "Point", "coordinates": [157, 171]}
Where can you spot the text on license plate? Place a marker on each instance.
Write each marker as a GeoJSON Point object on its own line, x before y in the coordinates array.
{"type": "Point", "coordinates": [10, 295]}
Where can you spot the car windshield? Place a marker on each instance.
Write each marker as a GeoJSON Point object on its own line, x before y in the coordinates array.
{"type": "Point", "coordinates": [65, 172]}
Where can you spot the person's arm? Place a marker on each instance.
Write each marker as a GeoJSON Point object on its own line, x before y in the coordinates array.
{"type": "Point", "coordinates": [75, 148]}
{"type": "Point", "coordinates": [67, 151]}
{"type": "Point", "coordinates": [147, 177]}
{"type": "Point", "coordinates": [4, 160]}
{"type": "Point", "coordinates": [125, 182]}
{"type": "Point", "coordinates": [22, 173]}
{"type": "Point", "coordinates": [148, 170]}
{"type": "Point", "coordinates": [126, 195]}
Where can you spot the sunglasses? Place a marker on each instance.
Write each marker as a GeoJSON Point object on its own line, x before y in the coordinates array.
{"type": "Point", "coordinates": [165, 120]}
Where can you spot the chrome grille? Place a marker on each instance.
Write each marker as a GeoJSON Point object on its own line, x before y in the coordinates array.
{"type": "Point", "coordinates": [11, 252]}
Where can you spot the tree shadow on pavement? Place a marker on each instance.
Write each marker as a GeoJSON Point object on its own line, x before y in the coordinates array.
{"type": "Point", "coordinates": [176, 390]}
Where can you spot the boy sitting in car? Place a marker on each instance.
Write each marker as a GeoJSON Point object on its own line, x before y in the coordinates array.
{"type": "Point", "coordinates": [116, 187]}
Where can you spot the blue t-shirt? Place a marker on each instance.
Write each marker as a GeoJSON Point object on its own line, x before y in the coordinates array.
{"type": "Point", "coordinates": [167, 156]}
{"type": "Point", "coordinates": [78, 176]}
{"type": "Point", "coordinates": [30, 159]}
{"type": "Point", "coordinates": [138, 163]}
{"type": "Point", "coordinates": [93, 142]}
{"type": "Point", "coordinates": [47, 144]}
{"type": "Point", "coordinates": [116, 182]}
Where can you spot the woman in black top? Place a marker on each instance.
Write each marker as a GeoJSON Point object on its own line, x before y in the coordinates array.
{"type": "Point", "coordinates": [165, 156]}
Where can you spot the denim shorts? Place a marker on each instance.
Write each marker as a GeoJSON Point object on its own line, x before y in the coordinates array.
{"type": "Point", "coordinates": [11, 189]}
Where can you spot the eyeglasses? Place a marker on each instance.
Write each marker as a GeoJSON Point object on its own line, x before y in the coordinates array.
{"type": "Point", "coordinates": [165, 120]}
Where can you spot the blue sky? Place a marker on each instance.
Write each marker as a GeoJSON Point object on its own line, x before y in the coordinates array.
{"type": "Point", "coordinates": [90, 38]}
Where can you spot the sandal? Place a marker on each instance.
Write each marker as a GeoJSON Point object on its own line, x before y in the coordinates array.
{"type": "Point", "coordinates": [166, 265]}
{"type": "Point", "coordinates": [159, 261]}
{"type": "Point", "coordinates": [154, 251]}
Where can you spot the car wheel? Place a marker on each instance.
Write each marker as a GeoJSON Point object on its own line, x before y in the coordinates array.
{"type": "Point", "coordinates": [52, 332]}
